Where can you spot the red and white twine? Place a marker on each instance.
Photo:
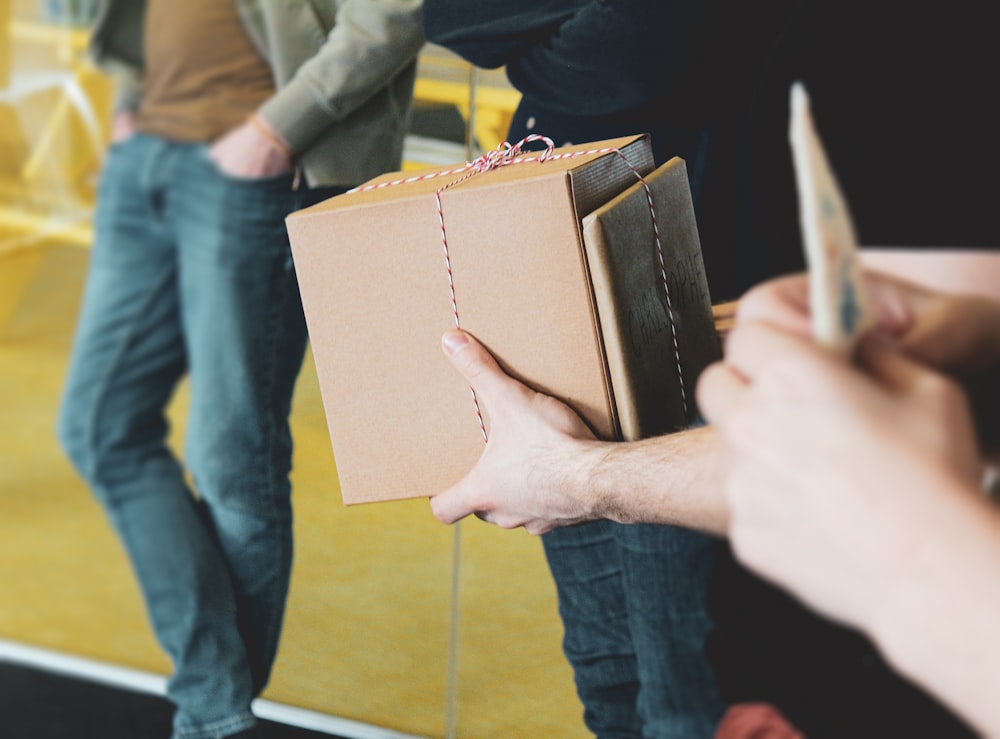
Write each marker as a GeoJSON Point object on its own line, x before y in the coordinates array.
{"type": "Point", "coordinates": [503, 155]}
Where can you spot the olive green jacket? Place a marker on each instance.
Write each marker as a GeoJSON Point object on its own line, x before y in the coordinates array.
{"type": "Point", "coordinates": [344, 72]}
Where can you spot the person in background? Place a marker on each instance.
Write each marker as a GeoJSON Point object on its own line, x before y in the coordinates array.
{"type": "Point", "coordinates": [913, 174]}
{"type": "Point", "coordinates": [231, 116]}
{"type": "Point", "coordinates": [631, 598]}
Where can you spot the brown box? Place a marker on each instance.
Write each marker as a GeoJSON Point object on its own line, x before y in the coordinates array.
{"type": "Point", "coordinates": [373, 271]}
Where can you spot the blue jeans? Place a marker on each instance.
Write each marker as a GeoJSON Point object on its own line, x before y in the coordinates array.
{"type": "Point", "coordinates": [191, 273]}
{"type": "Point", "coordinates": [632, 601]}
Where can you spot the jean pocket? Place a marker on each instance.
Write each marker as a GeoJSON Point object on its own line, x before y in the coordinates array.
{"type": "Point", "coordinates": [280, 179]}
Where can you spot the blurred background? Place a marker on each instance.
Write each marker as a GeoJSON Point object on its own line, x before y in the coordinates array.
{"type": "Point", "coordinates": [394, 620]}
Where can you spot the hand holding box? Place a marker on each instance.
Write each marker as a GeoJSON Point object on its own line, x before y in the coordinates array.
{"type": "Point", "coordinates": [386, 269]}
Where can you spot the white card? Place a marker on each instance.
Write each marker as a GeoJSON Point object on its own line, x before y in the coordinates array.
{"type": "Point", "coordinates": [840, 311]}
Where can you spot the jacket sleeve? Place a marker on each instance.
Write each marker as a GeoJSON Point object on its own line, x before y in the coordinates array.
{"type": "Point", "coordinates": [115, 46]}
{"type": "Point", "coordinates": [611, 56]}
{"type": "Point", "coordinates": [489, 33]}
{"type": "Point", "coordinates": [371, 42]}
{"type": "Point", "coordinates": [578, 57]}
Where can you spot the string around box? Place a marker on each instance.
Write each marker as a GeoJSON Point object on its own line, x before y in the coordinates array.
{"type": "Point", "coordinates": [506, 154]}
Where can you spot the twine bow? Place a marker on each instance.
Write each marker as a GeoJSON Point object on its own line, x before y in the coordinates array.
{"type": "Point", "coordinates": [507, 153]}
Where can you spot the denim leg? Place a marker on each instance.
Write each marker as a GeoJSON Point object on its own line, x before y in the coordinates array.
{"type": "Point", "coordinates": [127, 358]}
{"type": "Point", "coordinates": [665, 573]}
{"type": "Point", "coordinates": [246, 339]}
{"type": "Point", "coordinates": [586, 566]}
{"type": "Point", "coordinates": [632, 602]}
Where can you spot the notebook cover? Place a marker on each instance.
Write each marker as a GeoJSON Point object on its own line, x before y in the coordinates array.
{"type": "Point", "coordinates": [657, 337]}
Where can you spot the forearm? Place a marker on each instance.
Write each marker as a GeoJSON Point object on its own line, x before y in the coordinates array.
{"type": "Point", "coordinates": [674, 479]}
{"type": "Point", "coordinates": [938, 622]}
{"type": "Point", "coordinates": [370, 44]}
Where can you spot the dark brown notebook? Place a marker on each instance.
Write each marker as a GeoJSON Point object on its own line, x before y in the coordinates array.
{"type": "Point", "coordinates": [655, 347]}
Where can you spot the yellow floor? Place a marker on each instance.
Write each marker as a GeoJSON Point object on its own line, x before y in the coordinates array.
{"type": "Point", "coordinates": [367, 631]}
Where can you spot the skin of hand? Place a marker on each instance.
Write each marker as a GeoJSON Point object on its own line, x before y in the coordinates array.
{"type": "Point", "coordinates": [122, 126]}
{"type": "Point", "coordinates": [856, 488]}
{"type": "Point", "coordinates": [833, 470]}
{"type": "Point", "coordinates": [542, 467]}
{"type": "Point", "coordinates": [534, 441]}
{"type": "Point", "coordinates": [953, 333]}
{"type": "Point", "coordinates": [247, 152]}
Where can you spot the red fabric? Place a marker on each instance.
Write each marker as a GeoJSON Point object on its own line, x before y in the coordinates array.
{"type": "Point", "coordinates": [755, 721]}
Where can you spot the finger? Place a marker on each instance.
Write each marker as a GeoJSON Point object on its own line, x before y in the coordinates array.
{"type": "Point", "coordinates": [954, 334]}
{"type": "Point", "coordinates": [895, 301]}
{"type": "Point", "coordinates": [892, 369]}
{"type": "Point", "coordinates": [754, 346]}
{"type": "Point", "coordinates": [892, 311]}
{"type": "Point", "coordinates": [449, 506]}
{"type": "Point", "coordinates": [783, 301]}
{"type": "Point", "coordinates": [492, 385]}
{"type": "Point", "coordinates": [718, 391]}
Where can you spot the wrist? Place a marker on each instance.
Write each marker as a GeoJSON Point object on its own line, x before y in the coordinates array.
{"type": "Point", "coordinates": [274, 140]}
{"type": "Point", "coordinates": [938, 626]}
{"type": "Point", "coordinates": [675, 479]}
{"type": "Point", "coordinates": [591, 472]}
{"type": "Point", "coordinates": [953, 559]}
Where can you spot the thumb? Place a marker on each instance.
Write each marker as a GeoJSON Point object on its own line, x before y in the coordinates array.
{"type": "Point", "coordinates": [491, 384]}
{"type": "Point", "coordinates": [451, 506]}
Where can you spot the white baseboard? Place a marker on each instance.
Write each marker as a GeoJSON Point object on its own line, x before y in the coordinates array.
{"type": "Point", "coordinates": [146, 682]}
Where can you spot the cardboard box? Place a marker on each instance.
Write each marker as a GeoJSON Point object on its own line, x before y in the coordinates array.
{"type": "Point", "coordinates": [375, 285]}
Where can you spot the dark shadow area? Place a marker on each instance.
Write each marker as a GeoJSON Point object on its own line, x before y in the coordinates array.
{"type": "Point", "coordinates": [35, 704]}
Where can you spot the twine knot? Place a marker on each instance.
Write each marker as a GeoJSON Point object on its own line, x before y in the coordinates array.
{"type": "Point", "coordinates": [507, 153]}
